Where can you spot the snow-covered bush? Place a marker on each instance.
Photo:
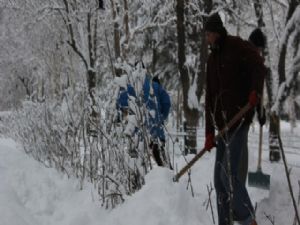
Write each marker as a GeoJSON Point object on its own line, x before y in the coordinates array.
{"type": "Point", "coordinates": [60, 135]}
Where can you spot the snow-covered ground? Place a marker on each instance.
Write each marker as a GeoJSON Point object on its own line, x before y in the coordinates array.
{"type": "Point", "coordinates": [31, 194]}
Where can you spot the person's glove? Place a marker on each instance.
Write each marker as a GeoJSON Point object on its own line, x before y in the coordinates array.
{"type": "Point", "coordinates": [209, 142]}
{"type": "Point", "coordinates": [261, 116]}
{"type": "Point", "coordinates": [253, 98]}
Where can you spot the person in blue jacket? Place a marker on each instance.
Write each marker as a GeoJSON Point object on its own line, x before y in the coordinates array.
{"type": "Point", "coordinates": [122, 101]}
{"type": "Point", "coordinates": [157, 102]}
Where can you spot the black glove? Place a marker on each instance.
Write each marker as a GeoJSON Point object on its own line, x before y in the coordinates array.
{"type": "Point", "coordinates": [261, 116]}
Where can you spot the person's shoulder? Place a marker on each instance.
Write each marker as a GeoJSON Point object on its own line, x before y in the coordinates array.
{"type": "Point", "coordinates": [239, 43]}
{"type": "Point", "coordinates": [235, 40]}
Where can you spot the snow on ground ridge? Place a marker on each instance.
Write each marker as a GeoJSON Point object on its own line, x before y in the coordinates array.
{"type": "Point", "coordinates": [31, 194]}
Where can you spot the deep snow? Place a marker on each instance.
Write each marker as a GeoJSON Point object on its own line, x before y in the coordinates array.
{"type": "Point", "coordinates": [31, 194]}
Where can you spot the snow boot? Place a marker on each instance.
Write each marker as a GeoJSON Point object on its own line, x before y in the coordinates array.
{"type": "Point", "coordinates": [156, 154]}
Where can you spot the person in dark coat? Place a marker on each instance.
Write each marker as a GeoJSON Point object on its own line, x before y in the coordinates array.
{"type": "Point", "coordinates": [258, 39]}
{"type": "Point", "coordinates": [235, 74]}
{"type": "Point", "coordinates": [157, 102]}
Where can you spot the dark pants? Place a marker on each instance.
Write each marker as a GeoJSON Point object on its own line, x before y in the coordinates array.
{"type": "Point", "coordinates": [241, 204]}
{"type": "Point", "coordinates": [156, 151]}
{"type": "Point", "coordinates": [243, 165]}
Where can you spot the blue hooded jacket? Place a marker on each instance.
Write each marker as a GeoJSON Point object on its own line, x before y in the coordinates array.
{"type": "Point", "coordinates": [157, 102]}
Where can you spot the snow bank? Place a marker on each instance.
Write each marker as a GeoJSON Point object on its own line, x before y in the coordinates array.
{"type": "Point", "coordinates": [160, 202]}
{"type": "Point", "coordinates": [34, 195]}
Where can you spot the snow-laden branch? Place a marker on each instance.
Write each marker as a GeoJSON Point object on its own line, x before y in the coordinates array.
{"type": "Point", "coordinates": [286, 86]}
{"type": "Point", "coordinates": [292, 30]}
{"type": "Point", "coordinates": [292, 25]}
{"type": "Point", "coordinates": [193, 102]}
{"type": "Point", "coordinates": [151, 23]}
{"type": "Point", "coordinates": [269, 4]}
{"type": "Point", "coordinates": [282, 3]}
{"type": "Point", "coordinates": [145, 26]}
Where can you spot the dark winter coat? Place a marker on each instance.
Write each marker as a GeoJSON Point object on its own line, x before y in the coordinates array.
{"type": "Point", "coordinates": [234, 69]}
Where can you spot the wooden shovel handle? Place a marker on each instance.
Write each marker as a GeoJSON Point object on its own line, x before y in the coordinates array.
{"type": "Point", "coordinates": [236, 118]}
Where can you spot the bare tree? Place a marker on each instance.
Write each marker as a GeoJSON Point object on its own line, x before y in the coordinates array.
{"type": "Point", "coordinates": [274, 128]}
{"type": "Point", "coordinates": [286, 86]}
{"type": "Point", "coordinates": [191, 78]}
{"type": "Point", "coordinates": [81, 22]}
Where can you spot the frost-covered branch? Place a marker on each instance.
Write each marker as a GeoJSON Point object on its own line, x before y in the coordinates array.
{"type": "Point", "coordinates": [286, 83]}
{"type": "Point", "coordinates": [286, 86]}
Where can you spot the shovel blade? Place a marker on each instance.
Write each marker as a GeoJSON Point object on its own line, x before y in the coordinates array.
{"type": "Point", "coordinates": [259, 179]}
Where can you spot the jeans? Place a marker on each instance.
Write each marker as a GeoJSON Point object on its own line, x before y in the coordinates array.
{"type": "Point", "coordinates": [243, 165]}
{"type": "Point", "coordinates": [241, 204]}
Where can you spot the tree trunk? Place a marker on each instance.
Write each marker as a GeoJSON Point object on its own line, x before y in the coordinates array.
{"type": "Point", "coordinates": [208, 5]}
{"type": "Point", "coordinates": [196, 41]}
{"type": "Point", "coordinates": [296, 85]}
{"type": "Point", "coordinates": [274, 129]}
{"type": "Point", "coordinates": [191, 115]}
{"type": "Point", "coordinates": [283, 51]}
{"type": "Point", "coordinates": [91, 78]}
{"type": "Point", "coordinates": [154, 58]}
{"type": "Point", "coordinates": [274, 155]}
{"type": "Point", "coordinates": [126, 28]}
{"type": "Point", "coordinates": [117, 45]}
{"type": "Point", "coordinates": [94, 117]}
{"type": "Point", "coordinates": [259, 13]}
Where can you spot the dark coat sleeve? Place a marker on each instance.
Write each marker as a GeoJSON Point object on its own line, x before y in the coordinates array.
{"type": "Point", "coordinates": [253, 63]}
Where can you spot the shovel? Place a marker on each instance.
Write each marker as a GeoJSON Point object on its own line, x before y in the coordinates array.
{"type": "Point", "coordinates": [259, 179]}
{"type": "Point", "coordinates": [232, 122]}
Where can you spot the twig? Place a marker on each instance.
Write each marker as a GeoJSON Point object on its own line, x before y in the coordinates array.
{"type": "Point", "coordinates": [190, 183]}
{"type": "Point", "coordinates": [289, 179]}
{"type": "Point", "coordinates": [295, 218]}
{"type": "Point", "coordinates": [209, 203]}
{"type": "Point", "coordinates": [270, 218]}
{"type": "Point", "coordinates": [109, 54]}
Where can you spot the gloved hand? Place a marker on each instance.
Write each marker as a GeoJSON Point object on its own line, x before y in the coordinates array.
{"type": "Point", "coordinates": [209, 142]}
{"type": "Point", "coordinates": [253, 98]}
{"type": "Point", "coordinates": [261, 116]}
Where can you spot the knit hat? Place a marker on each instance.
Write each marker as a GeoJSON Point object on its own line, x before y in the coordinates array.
{"type": "Point", "coordinates": [214, 24]}
{"type": "Point", "coordinates": [258, 38]}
